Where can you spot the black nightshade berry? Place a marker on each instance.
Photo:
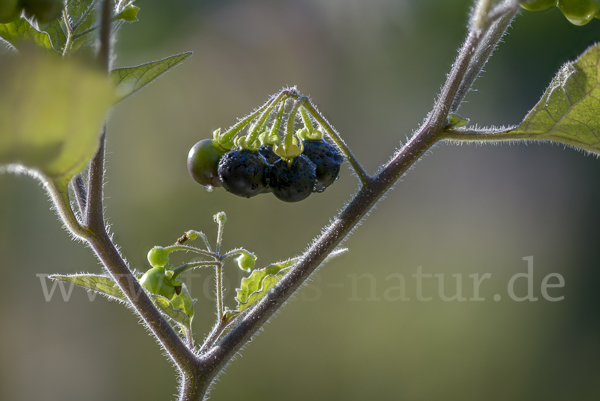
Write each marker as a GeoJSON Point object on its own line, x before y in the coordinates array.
{"type": "Point", "coordinates": [295, 183]}
{"type": "Point", "coordinates": [327, 160]}
{"type": "Point", "coordinates": [243, 172]}
{"type": "Point", "coordinates": [267, 152]}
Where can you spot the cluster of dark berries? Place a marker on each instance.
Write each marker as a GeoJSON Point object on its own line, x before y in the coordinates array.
{"type": "Point", "coordinates": [43, 11]}
{"type": "Point", "coordinates": [248, 173]}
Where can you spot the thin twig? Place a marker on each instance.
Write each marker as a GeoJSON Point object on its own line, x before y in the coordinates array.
{"type": "Point", "coordinates": [95, 210]}
{"type": "Point", "coordinates": [484, 135]}
{"type": "Point", "coordinates": [80, 193]}
{"type": "Point", "coordinates": [219, 290]}
{"type": "Point", "coordinates": [498, 24]}
{"type": "Point", "coordinates": [59, 195]}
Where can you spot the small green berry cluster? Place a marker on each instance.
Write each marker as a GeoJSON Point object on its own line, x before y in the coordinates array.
{"type": "Point", "coordinates": [273, 156]}
{"type": "Point", "coordinates": [163, 279]}
{"type": "Point", "coordinates": [578, 12]}
{"type": "Point", "coordinates": [43, 11]}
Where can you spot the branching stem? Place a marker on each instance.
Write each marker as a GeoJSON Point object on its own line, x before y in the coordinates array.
{"type": "Point", "coordinates": [198, 371]}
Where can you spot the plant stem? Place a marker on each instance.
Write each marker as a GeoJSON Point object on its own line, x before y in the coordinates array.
{"type": "Point", "coordinates": [69, 42]}
{"type": "Point", "coordinates": [80, 193]}
{"type": "Point", "coordinates": [95, 193]}
{"type": "Point", "coordinates": [219, 284]}
{"type": "Point", "coordinates": [193, 388]}
{"type": "Point", "coordinates": [142, 304]}
{"type": "Point", "coordinates": [188, 248]}
{"type": "Point", "coordinates": [105, 34]}
{"type": "Point", "coordinates": [183, 268]}
{"type": "Point", "coordinates": [59, 194]}
{"type": "Point", "coordinates": [497, 29]}
{"type": "Point", "coordinates": [429, 133]}
{"type": "Point", "coordinates": [484, 135]}
{"type": "Point", "coordinates": [289, 129]}
{"type": "Point", "coordinates": [215, 334]}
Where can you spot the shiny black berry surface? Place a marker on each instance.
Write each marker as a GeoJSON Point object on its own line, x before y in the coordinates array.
{"type": "Point", "coordinates": [327, 160]}
{"type": "Point", "coordinates": [243, 173]}
{"type": "Point", "coordinates": [294, 183]}
{"type": "Point", "coordinates": [267, 152]}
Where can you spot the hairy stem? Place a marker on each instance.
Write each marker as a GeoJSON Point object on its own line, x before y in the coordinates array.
{"type": "Point", "coordinates": [497, 29]}
{"type": "Point", "coordinates": [59, 194]}
{"type": "Point", "coordinates": [219, 290]}
{"type": "Point", "coordinates": [80, 193]}
{"type": "Point", "coordinates": [483, 135]}
{"type": "Point", "coordinates": [142, 304]}
{"type": "Point", "coordinates": [69, 41]}
{"type": "Point", "coordinates": [428, 134]}
{"type": "Point", "coordinates": [192, 388]}
{"type": "Point", "coordinates": [105, 34]}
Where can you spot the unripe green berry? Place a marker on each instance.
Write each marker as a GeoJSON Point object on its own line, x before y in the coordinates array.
{"type": "Point", "coordinates": [157, 283]}
{"type": "Point", "coordinates": [203, 162]}
{"type": "Point", "coordinates": [158, 256]}
{"type": "Point", "coordinates": [246, 261]}
{"type": "Point", "coordinates": [579, 12]}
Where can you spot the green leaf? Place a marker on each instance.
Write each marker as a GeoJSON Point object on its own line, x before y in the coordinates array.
{"type": "Point", "coordinates": [259, 283]}
{"type": "Point", "coordinates": [129, 13]}
{"type": "Point", "coordinates": [57, 35]}
{"type": "Point", "coordinates": [51, 113]}
{"type": "Point", "coordinates": [569, 111]}
{"type": "Point", "coordinates": [19, 33]}
{"type": "Point", "coordinates": [129, 80]}
{"type": "Point", "coordinates": [101, 284]}
{"type": "Point", "coordinates": [454, 121]}
{"type": "Point", "coordinates": [177, 315]}
{"type": "Point", "coordinates": [83, 15]}
{"type": "Point", "coordinates": [184, 302]}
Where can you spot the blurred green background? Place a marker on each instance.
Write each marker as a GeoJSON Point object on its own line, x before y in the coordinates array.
{"type": "Point", "coordinates": [374, 68]}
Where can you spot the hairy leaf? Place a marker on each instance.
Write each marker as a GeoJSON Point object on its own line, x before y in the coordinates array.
{"type": "Point", "coordinates": [259, 283]}
{"type": "Point", "coordinates": [101, 284]}
{"type": "Point", "coordinates": [184, 302]}
{"type": "Point", "coordinates": [569, 111]}
{"type": "Point", "coordinates": [51, 113]}
{"type": "Point", "coordinates": [83, 15]}
{"type": "Point", "coordinates": [129, 80]}
{"type": "Point", "coordinates": [128, 13]}
{"type": "Point", "coordinates": [454, 121]}
{"type": "Point", "coordinates": [84, 20]}
{"type": "Point", "coordinates": [57, 35]}
{"type": "Point", "coordinates": [177, 315]}
{"type": "Point", "coordinates": [19, 33]}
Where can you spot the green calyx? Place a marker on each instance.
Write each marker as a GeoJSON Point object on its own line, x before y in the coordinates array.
{"type": "Point", "coordinates": [289, 152]}
{"type": "Point", "coordinates": [264, 126]}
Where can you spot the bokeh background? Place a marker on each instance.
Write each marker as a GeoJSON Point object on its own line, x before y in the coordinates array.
{"type": "Point", "coordinates": [374, 68]}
